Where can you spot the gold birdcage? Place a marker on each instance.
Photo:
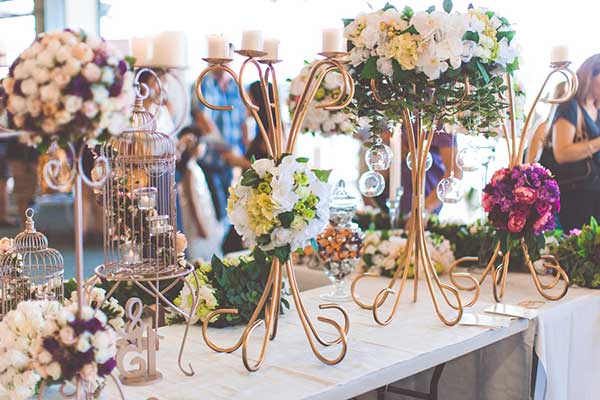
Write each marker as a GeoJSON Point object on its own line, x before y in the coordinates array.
{"type": "Point", "coordinates": [30, 270]}
{"type": "Point", "coordinates": [139, 202]}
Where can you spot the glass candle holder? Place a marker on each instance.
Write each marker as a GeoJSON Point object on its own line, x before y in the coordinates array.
{"type": "Point", "coordinates": [159, 225]}
{"type": "Point", "coordinates": [146, 197]}
{"type": "Point", "coordinates": [131, 252]}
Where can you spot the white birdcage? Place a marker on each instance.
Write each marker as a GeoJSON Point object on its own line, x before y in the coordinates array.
{"type": "Point", "coordinates": [139, 202]}
{"type": "Point", "coordinates": [31, 270]}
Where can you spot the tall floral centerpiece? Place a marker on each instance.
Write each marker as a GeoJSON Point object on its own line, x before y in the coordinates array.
{"type": "Point", "coordinates": [72, 88]}
{"type": "Point", "coordinates": [423, 69]}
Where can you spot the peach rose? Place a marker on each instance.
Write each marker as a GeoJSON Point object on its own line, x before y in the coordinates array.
{"type": "Point", "coordinates": [82, 52]}
{"type": "Point", "coordinates": [49, 109]}
{"type": "Point", "coordinates": [180, 243]}
{"type": "Point", "coordinates": [6, 244]}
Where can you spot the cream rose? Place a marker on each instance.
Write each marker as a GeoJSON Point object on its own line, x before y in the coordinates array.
{"type": "Point", "coordinates": [29, 87]}
{"type": "Point", "coordinates": [73, 103]}
{"type": "Point", "coordinates": [91, 72]}
{"type": "Point", "coordinates": [6, 244]}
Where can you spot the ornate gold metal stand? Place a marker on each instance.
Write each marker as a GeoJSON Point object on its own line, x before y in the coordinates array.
{"type": "Point", "coordinates": [419, 141]}
{"type": "Point", "coordinates": [274, 138]}
{"type": "Point", "coordinates": [516, 147]}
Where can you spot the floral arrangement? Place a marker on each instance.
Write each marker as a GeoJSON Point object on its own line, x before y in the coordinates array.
{"type": "Point", "coordinates": [68, 85]}
{"type": "Point", "coordinates": [410, 53]}
{"type": "Point", "coordinates": [317, 119]}
{"type": "Point", "coordinates": [371, 218]}
{"type": "Point", "coordinates": [229, 283]}
{"type": "Point", "coordinates": [44, 341]}
{"type": "Point", "coordinates": [96, 296]}
{"type": "Point", "coordinates": [384, 251]}
{"type": "Point", "coordinates": [522, 203]}
{"type": "Point", "coordinates": [579, 255]}
{"type": "Point", "coordinates": [280, 205]}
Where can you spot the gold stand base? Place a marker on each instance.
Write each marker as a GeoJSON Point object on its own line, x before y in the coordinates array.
{"type": "Point", "coordinates": [141, 380]}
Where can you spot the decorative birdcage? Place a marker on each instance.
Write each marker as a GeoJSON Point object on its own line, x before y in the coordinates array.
{"type": "Point", "coordinates": [30, 270]}
{"type": "Point", "coordinates": [139, 202]}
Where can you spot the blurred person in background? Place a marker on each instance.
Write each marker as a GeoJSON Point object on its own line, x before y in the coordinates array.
{"type": "Point", "coordinates": [203, 230]}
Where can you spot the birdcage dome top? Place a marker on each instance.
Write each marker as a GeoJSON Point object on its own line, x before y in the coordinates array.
{"type": "Point", "coordinates": [30, 239]}
{"type": "Point", "coordinates": [140, 138]}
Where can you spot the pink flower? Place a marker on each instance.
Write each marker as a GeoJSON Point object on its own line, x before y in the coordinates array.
{"type": "Point", "coordinates": [525, 195]}
{"type": "Point", "coordinates": [487, 202]}
{"type": "Point", "coordinates": [499, 175]}
{"type": "Point", "coordinates": [575, 232]}
{"type": "Point", "coordinates": [516, 222]}
{"type": "Point", "coordinates": [541, 222]}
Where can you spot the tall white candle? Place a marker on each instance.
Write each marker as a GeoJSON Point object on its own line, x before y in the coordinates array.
{"type": "Point", "coordinates": [559, 54]}
{"type": "Point", "coordinates": [217, 47]}
{"type": "Point", "coordinates": [396, 167]}
{"type": "Point", "coordinates": [333, 40]}
{"type": "Point", "coordinates": [141, 49]}
{"type": "Point", "coordinates": [271, 47]}
{"type": "Point", "coordinates": [252, 40]}
{"type": "Point", "coordinates": [170, 50]}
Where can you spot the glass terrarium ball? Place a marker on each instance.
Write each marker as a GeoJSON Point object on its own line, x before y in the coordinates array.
{"type": "Point", "coordinates": [428, 162]}
{"type": "Point", "coordinates": [371, 184]}
{"type": "Point", "coordinates": [450, 190]}
{"type": "Point", "coordinates": [379, 156]}
{"type": "Point", "coordinates": [468, 159]}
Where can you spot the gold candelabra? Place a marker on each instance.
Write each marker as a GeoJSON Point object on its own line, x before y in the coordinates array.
{"type": "Point", "coordinates": [273, 135]}
{"type": "Point", "coordinates": [516, 148]}
{"type": "Point", "coordinates": [419, 142]}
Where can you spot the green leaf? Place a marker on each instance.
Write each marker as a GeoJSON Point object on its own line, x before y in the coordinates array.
{"type": "Point", "coordinates": [286, 218]}
{"type": "Point", "coordinates": [283, 253]}
{"type": "Point", "coordinates": [131, 61]}
{"type": "Point", "coordinates": [483, 72]}
{"type": "Point", "coordinates": [509, 35]}
{"type": "Point", "coordinates": [347, 21]}
{"type": "Point", "coordinates": [322, 174]}
{"type": "Point", "coordinates": [250, 178]}
{"type": "Point", "coordinates": [430, 10]}
{"type": "Point", "coordinates": [369, 70]}
{"type": "Point", "coordinates": [252, 159]}
{"type": "Point", "coordinates": [472, 36]}
{"type": "Point", "coordinates": [303, 160]}
{"type": "Point", "coordinates": [388, 6]}
{"type": "Point", "coordinates": [407, 13]}
{"type": "Point", "coordinates": [411, 29]}
{"type": "Point", "coordinates": [447, 6]}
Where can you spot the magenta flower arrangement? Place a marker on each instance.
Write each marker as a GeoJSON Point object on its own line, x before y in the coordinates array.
{"type": "Point", "coordinates": [522, 201]}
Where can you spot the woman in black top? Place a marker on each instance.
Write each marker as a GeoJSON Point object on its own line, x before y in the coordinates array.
{"type": "Point", "coordinates": [577, 206]}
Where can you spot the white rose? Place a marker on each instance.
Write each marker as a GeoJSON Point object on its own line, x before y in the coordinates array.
{"type": "Point", "coordinates": [263, 166]}
{"type": "Point", "coordinates": [100, 340]}
{"type": "Point", "coordinates": [328, 126]}
{"type": "Point", "coordinates": [54, 370]}
{"type": "Point", "coordinates": [370, 249]}
{"type": "Point", "coordinates": [63, 117]}
{"type": "Point", "coordinates": [90, 109]}
{"type": "Point", "coordinates": [83, 343]}
{"type": "Point", "coordinates": [6, 244]}
{"type": "Point", "coordinates": [41, 75]}
{"type": "Point", "coordinates": [93, 41]}
{"type": "Point", "coordinates": [19, 72]}
{"type": "Point", "coordinates": [333, 80]}
{"type": "Point", "coordinates": [49, 93]}
{"type": "Point", "coordinates": [89, 372]}
{"type": "Point", "coordinates": [108, 75]}
{"type": "Point", "coordinates": [73, 103]}
{"type": "Point", "coordinates": [100, 93]}
{"type": "Point", "coordinates": [45, 357]}
{"type": "Point", "coordinates": [34, 106]}
{"type": "Point", "coordinates": [16, 104]}
{"type": "Point", "coordinates": [67, 335]}
{"type": "Point", "coordinates": [29, 87]}
{"type": "Point", "coordinates": [281, 236]}
{"type": "Point", "coordinates": [91, 72]}
{"type": "Point", "coordinates": [46, 58]}
{"type": "Point", "coordinates": [384, 66]}
{"type": "Point", "coordinates": [63, 54]}
{"type": "Point", "coordinates": [72, 67]}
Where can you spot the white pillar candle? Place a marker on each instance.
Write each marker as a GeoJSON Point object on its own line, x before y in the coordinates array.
{"type": "Point", "coordinates": [396, 167]}
{"type": "Point", "coordinates": [271, 47]}
{"type": "Point", "coordinates": [559, 54]}
{"type": "Point", "coordinates": [333, 40]}
{"type": "Point", "coordinates": [122, 45]}
{"type": "Point", "coordinates": [170, 50]}
{"type": "Point", "coordinates": [217, 47]}
{"type": "Point", "coordinates": [141, 49]}
{"type": "Point", "coordinates": [252, 40]}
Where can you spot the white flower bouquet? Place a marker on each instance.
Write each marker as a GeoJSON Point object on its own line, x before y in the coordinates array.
{"type": "Point", "coordinates": [317, 119]}
{"type": "Point", "coordinates": [68, 85]}
{"type": "Point", "coordinates": [385, 251]}
{"type": "Point", "coordinates": [44, 341]}
{"type": "Point", "coordinates": [412, 55]}
{"type": "Point", "coordinates": [280, 206]}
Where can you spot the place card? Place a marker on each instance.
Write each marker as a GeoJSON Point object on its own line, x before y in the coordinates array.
{"type": "Point", "coordinates": [511, 311]}
{"type": "Point", "coordinates": [489, 321]}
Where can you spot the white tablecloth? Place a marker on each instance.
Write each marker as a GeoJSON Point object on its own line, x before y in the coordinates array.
{"type": "Point", "coordinates": [416, 341]}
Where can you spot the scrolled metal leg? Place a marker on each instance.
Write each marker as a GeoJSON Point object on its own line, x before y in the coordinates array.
{"type": "Point", "coordinates": [551, 263]}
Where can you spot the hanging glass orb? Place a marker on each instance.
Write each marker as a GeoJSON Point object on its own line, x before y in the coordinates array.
{"type": "Point", "coordinates": [371, 184]}
{"type": "Point", "coordinates": [379, 156]}
{"type": "Point", "coordinates": [468, 159]}
{"type": "Point", "coordinates": [428, 162]}
{"type": "Point", "coordinates": [450, 190]}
